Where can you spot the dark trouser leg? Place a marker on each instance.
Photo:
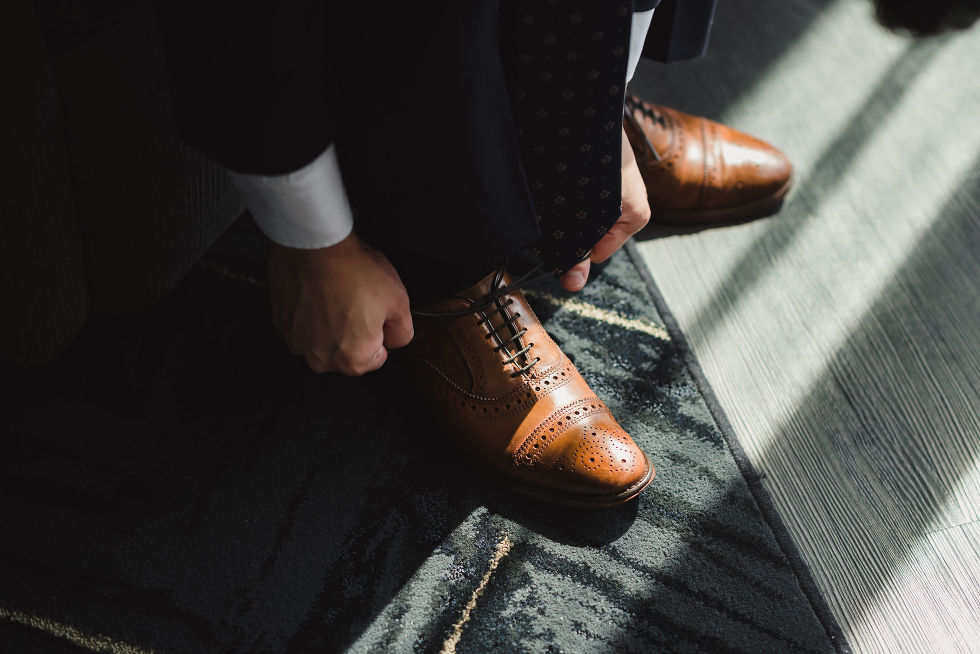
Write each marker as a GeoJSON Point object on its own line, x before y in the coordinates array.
{"type": "Point", "coordinates": [427, 143]}
{"type": "Point", "coordinates": [432, 157]}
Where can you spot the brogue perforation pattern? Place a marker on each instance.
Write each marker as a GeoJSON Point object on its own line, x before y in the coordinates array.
{"type": "Point", "coordinates": [553, 379]}
{"type": "Point", "coordinates": [599, 449]}
{"type": "Point", "coordinates": [555, 425]}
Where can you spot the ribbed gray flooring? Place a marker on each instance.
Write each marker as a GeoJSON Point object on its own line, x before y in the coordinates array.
{"type": "Point", "coordinates": [842, 336]}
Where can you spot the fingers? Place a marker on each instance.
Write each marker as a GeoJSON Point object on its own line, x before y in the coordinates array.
{"type": "Point", "coordinates": [628, 224]}
{"type": "Point", "coordinates": [315, 363]}
{"type": "Point", "coordinates": [575, 277]}
{"type": "Point", "coordinates": [358, 355]}
{"type": "Point", "coordinates": [636, 209]}
{"type": "Point", "coordinates": [352, 363]}
{"type": "Point", "coordinates": [338, 306]}
{"type": "Point", "coordinates": [617, 235]}
{"type": "Point", "coordinates": [357, 363]}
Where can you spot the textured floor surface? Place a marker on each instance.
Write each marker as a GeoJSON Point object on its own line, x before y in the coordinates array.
{"type": "Point", "coordinates": [177, 484]}
{"type": "Point", "coordinates": [842, 336]}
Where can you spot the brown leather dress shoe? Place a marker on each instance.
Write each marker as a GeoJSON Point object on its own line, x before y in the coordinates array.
{"type": "Point", "coordinates": [517, 406]}
{"type": "Point", "coordinates": [700, 171]}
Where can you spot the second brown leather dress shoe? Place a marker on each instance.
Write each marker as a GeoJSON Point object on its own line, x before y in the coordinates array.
{"type": "Point", "coordinates": [700, 171]}
{"type": "Point", "coordinates": [517, 406]}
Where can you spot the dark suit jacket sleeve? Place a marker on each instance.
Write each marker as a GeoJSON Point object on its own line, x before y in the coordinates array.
{"type": "Point", "coordinates": [679, 30]}
{"type": "Point", "coordinates": [251, 81]}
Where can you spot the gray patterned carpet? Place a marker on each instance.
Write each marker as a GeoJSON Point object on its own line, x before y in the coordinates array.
{"type": "Point", "coordinates": [177, 483]}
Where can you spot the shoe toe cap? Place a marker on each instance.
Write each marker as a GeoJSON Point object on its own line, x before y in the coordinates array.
{"type": "Point", "coordinates": [756, 168]}
{"type": "Point", "coordinates": [595, 460]}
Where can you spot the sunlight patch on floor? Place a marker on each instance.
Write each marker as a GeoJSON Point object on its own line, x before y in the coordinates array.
{"type": "Point", "coordinates": [812, 278]}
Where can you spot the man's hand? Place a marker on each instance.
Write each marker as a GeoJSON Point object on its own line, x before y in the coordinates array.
{"type": "Point", "coordinates": [340, 307]}
{"type": "Point", "coordinates": [636, 214]}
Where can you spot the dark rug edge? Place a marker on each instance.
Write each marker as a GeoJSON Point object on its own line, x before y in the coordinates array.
{"type": "Point", "coordinates": [752, 478]}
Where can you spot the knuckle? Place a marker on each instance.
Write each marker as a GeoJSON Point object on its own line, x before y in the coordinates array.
{"type": "Point", "coordinates": [638, 216]}
{"type": "Point", "coordinates": [348, 368]}
{"type": "Point", "coordinates": [645, 213]}
{"type": "Point", "coordinates": [361, 368]}
{"type": "Point", "coordinates": [345, 361]}
{"type": "Point", "coordinates": [316, 365]}
{"type": "Point", "coordinates": [355, 364]}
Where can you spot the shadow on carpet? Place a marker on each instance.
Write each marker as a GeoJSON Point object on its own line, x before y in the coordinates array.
{"type": "Point", "coordinates": [177, 483]}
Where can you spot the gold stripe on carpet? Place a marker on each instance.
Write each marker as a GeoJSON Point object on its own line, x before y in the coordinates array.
{"type": "Point", "coordinates": [593, 312]}
{"type": "Point", "coordinates": [97, 643]}
{"type": "Point", "coordinates": [502, 550]}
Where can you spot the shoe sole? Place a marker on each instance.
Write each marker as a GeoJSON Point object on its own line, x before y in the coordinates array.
{"type": "Point", "coordinates": [575, 501]}
{"type": "Point", "coordinates": [759, 208]}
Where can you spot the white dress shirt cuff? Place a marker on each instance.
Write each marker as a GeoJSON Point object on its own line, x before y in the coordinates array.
{"type": "Point", "coordinates": [307, 208]}
{"type": "Point", "coordinates": [638, 35]}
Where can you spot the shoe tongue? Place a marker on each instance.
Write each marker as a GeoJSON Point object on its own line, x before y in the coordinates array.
{"type": "Point", "coordinates": [482, 288]}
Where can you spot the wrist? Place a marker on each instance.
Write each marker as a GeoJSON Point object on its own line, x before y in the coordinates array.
{"type": "Point", "coordinates": [348, 253]}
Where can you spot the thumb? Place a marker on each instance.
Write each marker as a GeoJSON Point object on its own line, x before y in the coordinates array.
{"type": "Point", "coordinates": [398, 329]}
{"type": "Point", "coordinates": [575, 277]}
